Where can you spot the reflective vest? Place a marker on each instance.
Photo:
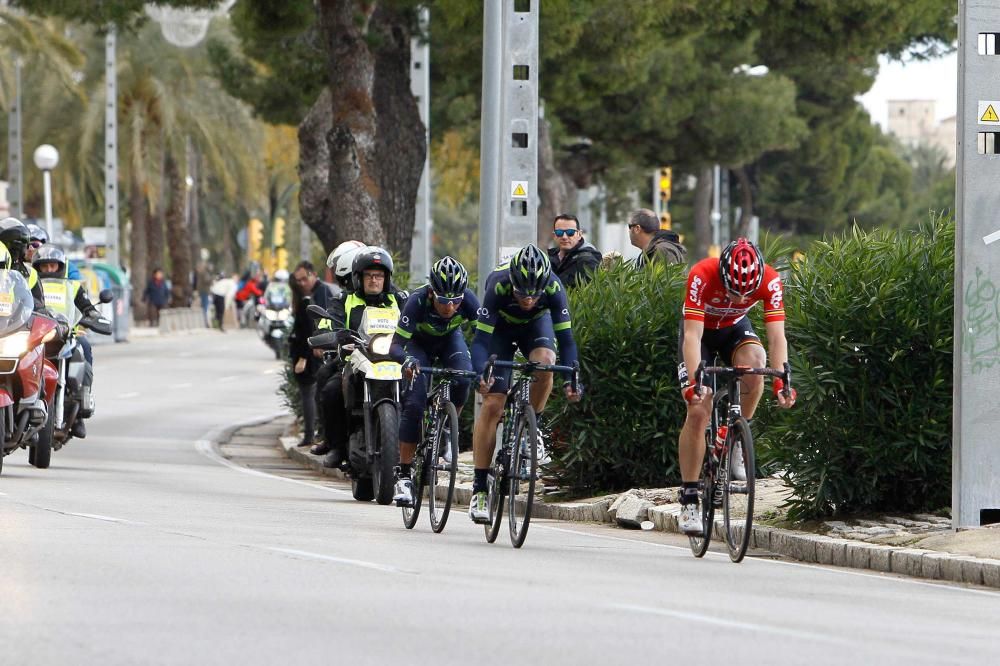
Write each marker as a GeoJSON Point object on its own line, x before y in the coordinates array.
{"type": "Point", "coordinates": [352, 302]}
{"type": "Point", "coordinates": [60, 297]}
{"type": "Point", "coordinates": [32, 277]}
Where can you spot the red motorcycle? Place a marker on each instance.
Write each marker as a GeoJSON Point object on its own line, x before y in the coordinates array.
{"type": "Point", "coordinates": [27, 380]}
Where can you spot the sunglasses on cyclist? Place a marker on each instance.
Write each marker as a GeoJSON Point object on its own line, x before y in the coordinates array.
{"type": "Point", "coordinates": [520, 294]}
{"type": "Point", "coordinates": [448, 300]}
{"type": "Point", "coordinates": [564, 232]}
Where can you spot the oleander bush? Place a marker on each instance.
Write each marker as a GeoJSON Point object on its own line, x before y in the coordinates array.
{"type": "Point", "coordinates": [870, 327]}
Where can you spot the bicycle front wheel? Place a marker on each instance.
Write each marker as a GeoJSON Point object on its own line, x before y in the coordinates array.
{"type": "Point", "coordinates": [738, 479]}
{"type": "Point", "coordinates": [699, 543]}
{"type": "Point", "coordinates": [441, 473]}
{"type": "Point", "coordinates": [419, 480]}
{"type": "Point", "coordinates": [521, 481]}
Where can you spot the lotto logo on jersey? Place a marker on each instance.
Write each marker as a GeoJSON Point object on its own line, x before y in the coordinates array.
{"type": "Point", "coordinates": [774, 286]}
{"type": "Point", "coordinates": [696, 285]}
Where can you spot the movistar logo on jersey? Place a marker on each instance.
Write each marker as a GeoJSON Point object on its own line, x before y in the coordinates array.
{"type": "Point", "coordinates": [504, 289]}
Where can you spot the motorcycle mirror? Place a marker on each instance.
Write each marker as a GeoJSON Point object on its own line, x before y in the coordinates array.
{"type": "Point", "coordinates": [319, 312]}
{"type": "Point", "coordinates": [106, 296]}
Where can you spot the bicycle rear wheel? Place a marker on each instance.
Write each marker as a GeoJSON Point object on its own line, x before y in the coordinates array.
{"type": "Point", "coordinates": [438, 470]}
{"type": "Point", "coordinates": [699, 543]}
{"type": "Point", "coordinates": [738, 495]}
{"type": "Point", "coordinates": [523, 470]}
{"type": "Point", "coordinates": [495, 490]}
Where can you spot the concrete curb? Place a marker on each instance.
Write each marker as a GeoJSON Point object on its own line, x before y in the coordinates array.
{"type": "Point", "coordinates": [795, 545]}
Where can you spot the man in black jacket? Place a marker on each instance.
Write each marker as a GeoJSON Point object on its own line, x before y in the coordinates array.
{"type": "Point", "coordinates": [573, 259]}
{"type": "Point", "coordinates": [307, 289]}
{"type": "Point", "coordinates": [656, 244]}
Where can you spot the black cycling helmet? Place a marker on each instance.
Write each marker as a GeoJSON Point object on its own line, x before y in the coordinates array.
{"type": "Point", "coordinates": [529, 271]}
{"type": "Point", "coordinates": [15, 236]}
{"type": "Point", "coordinates": [36, 233]}
{"type": "Point", "coordinates": [371, 257]}
{"type": "Point", "coordinates": [49, 254]}
{"type": "Point", "coordinates": [449, 278]}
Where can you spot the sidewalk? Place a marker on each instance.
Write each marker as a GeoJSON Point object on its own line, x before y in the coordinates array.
{"type": "Point", "coordinates": [921, 545]}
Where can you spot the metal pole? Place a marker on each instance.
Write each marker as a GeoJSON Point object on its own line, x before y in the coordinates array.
{"type": "Point", "coordinates": [489, 169]}
{"type": "Point", "coordinates": [716, 202]}
{"type": "Point", "coordinates": [15, 173]}
{"type": "Point", "coordinates": [111, 153]}
{"type": "Point", "coordinates": [656, 192]}
{"type": "Point", "coordinates": [420, 84]}
{"type": "Point", "coordinates": [47, 183]}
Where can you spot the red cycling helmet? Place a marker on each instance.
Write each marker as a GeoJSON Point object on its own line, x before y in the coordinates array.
{"type": "Point", "coordinates": [741, 267]}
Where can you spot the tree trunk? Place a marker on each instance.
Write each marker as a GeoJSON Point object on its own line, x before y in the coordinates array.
{"type": "Point", "coordinates": [180, 244]}
{"type": "Point", "coordinates": [314, 170]}
{"type": "Point", "coordinates": [746, 201]}
{"type": "Point", "coordinates": [702, 213]}
{"type": "Point", "coordinates": [353, 179]}
{"type": "Point", "coordinates": [553, 192]}
{"type": "Point", "coordinates": [154, 238]}
{"type": "Point", "coordinates": [191, 203]}
{"type": "Point", "coordinates": [400, 136]}
{"type": "Point", "coordinates": [139, 257]}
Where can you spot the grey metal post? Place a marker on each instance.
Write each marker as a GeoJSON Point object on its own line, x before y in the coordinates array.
{"type": "Point", "coordinates": [111, 151]}
{"type": "Point", "coordinates": [656, 193]}
{"type": "Point", "coordinates": [420, 84]}
{"type": "Point", "coordinates": [975, 454]}
{"type": "Point", "coordinates": [726, 223]}
{"type": "Point", "coordinates": [519, 130]}
{"type": "Point", "coordinates": [305, 241]}
{"type": "Point", "coordinates": [489, 165]}
{"type": "Point", "coordinates": [15, 173]}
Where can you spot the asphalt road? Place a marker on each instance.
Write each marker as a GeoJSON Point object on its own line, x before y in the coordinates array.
{"type": "Point", "coordinates": [139, 547]}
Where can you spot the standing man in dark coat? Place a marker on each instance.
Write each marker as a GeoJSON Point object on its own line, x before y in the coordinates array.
{"type": "Point", "coordinates": [655, 244]}
{"type": "Point", "coordinates": [307, 289]}
{"type": "Point", "coordinates": [573, 259]}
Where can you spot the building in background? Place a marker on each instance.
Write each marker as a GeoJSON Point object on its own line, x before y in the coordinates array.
{"type": "Point", "coordinates": [914, 122]}
{"type": "Point", "coordinates": [4, 204]}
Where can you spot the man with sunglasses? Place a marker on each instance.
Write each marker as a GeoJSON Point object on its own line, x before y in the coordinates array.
{"type": "Point", "coordinates": [37, 238]}
{"type": "Point", "coordinates": [429, 330]}
{"type": "Point", "coordinates": [524, 308]}
{"type": "Point", "coordinates": [574, 259]}
{"type": "Point", "coordinates": [654, 243]}
{"type": "Point", "coordinates": [720, 292]}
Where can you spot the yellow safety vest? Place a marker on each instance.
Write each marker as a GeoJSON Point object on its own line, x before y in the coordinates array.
{"type": "Point", "coordinates": [60, 297]}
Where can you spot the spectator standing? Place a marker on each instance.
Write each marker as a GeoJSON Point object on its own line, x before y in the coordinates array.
{"type": "Point", "coordinates": [644, 233]}
{"type": "Point", "coordinates": [573, 259]}
{"type": "Point", "coordinates": [307, 289]}
{"type": "Point", "coordinates": [203, 283]}
{"type": "Point", "coordinates": [223, 290]}
{"type": "Point", "coordinates": [156, 296]}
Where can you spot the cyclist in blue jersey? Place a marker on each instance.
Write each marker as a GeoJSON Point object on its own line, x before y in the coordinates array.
{"type": "Point", "coordinates": [429, 330]}
{"type": "Point", "coordinates": [524, 308]}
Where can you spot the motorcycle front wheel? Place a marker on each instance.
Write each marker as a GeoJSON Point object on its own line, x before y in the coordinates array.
{"type": "Point", "coordinates": [40, 453]}
{"type": "Point", "coordinates": [387, 452]}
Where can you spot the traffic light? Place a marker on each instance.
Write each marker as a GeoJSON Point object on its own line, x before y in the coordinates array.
{"type": "Point", "coordinates": [255, 238]}
{"type": "Point", "coordinates": [278, 234]}
{"type": "Point", "coordinates": [665, 221]}
{"type": "Point", "coordinates": [281, 258]}
{"type": "Point", "coordinates": [664, 184]}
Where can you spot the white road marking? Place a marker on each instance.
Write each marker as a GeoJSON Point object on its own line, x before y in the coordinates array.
{"type": "Point", "coordinates": [95, 516]}
{"type": "Point", "coordinates": [728, 623]}
{"type": "Point", "coordinates": [228, 378]}
{"type": "Point", "coordinates": [991, 238]}
{"type": "Point", "coordinates": [3, 494]}
{"type": "Point", "coordinates": [270, 372]}
{"type": "Point", "coordinates": [340, 560]}
{"type": "Point", "coordinates": [181, 386]}
{"type": "Point", "coordinates": [144, 361]}
{"type": "Point", "coordinates": [130, 394]}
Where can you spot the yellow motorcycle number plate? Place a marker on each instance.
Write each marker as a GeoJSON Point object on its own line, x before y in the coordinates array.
{"type": "Point", "coordinates": [386, 371]}
{"type": "Point", "coordinates": [6, 303]}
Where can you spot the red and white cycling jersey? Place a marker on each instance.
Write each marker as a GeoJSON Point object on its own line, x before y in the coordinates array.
{"type": "Point", "coordinates": [708, 301]}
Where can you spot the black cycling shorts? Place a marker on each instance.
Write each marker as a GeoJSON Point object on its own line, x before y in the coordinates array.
{"type": "Point", "coordinates": [722, 341]}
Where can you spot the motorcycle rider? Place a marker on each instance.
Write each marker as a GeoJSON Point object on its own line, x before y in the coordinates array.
{"type": "Point", "coordinates": [16, 237]}
{"type": "Point", "coordinates": [430, 329]}
{"type": "Point", "coordinates": [371, 276]}
{"type": "Point", "coordinates": [37, 238]}
{"type": "Point", "coordinates": [50, 264]}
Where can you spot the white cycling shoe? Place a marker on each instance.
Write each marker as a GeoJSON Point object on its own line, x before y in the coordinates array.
{"type": "Point", "coordinates": [737, 470]}
{"type": "Point", "coordinates": [403, 493]}
{"type": "Point", "coordinates": [689, 522]}
{"type": "Point", "coordinates": [478, 510]}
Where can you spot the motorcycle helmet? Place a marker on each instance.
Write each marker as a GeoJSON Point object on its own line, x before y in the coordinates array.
{"type": "Point", "coordinates": [331, 261]}
{"type": "Point", "coordinates": [741, 267]}
{"type": "Point", "coordinates": [15, 236]}
{"type": "Point", "coordinates": [529, 271]}
{"type": "Point", "coordinates": [5, 259]}
{"type": "Point", "coordinates": [449, 278]}
{"type": "Point", "coordinates": [36, 233]}
{"type": "Point", "coordinates": [345, 266]}
{"type": "Point", "coordinates": [371, 257]}
{"type": "Point", "coordinates": [281, 275]}
{"type": "Point", "coordinates": [47, 255]}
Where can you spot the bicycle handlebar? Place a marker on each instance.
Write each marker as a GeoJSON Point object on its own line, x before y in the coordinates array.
{"type": "Point", "coordinates": [738, 371]}
{"type": "Point", "coordinates": [530, 367]}
{"type": "Point", "coordinates": [448, 373]}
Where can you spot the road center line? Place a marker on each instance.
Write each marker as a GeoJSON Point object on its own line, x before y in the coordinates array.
{"type": "Point", "coordinates": [94, 516]}
{"type": "Point", "coordinates": [130, 394]}
{"type": "Point", "coordinates": [340, 560]}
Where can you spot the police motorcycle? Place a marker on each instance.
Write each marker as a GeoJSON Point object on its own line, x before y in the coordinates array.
{"type": "Point", "coordinates": [74, 398]}
{"type": "Point", "coordinates": [275, 314]}
{"type": "Point", "coordinates": [373, 447]}
{"type": "Point", "coordinates": [27, 380]}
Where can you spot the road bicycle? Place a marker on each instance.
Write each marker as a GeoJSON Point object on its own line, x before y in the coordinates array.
{"type": "Point", "coordinates": [719, 487]}
{"type": "Point", "coordinates": [515, 463]}
{"type": "Point", "coordinates": [439, 433]}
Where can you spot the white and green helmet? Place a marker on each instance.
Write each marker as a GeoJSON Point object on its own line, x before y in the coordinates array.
{"type": "Point", "coordinates": [530, 270]}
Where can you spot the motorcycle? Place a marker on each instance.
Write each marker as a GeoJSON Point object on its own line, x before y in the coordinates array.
{"type": "Point", "coordinates": [275, 320]}
{"type": "Point", "coordinates": [373, 445]}
{"type": "Point", "coordinates": [27, 380]}
{"type": "Point", "coordinates": [73, 397]}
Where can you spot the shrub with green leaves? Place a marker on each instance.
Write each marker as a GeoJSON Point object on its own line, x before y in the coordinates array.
{"type": "Point", "coordinates": [624, 431]}
{"type": "Point", "coordinates": [869, 325]}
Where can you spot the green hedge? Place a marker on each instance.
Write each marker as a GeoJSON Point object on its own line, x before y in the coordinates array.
{"type": "Point", "coordinates": [869, 322]}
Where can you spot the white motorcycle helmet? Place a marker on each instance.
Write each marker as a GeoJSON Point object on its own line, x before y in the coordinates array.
{"type": "Point", "coordinates": [331, 261]}
{"type": "Point", "coordinates": [345, 265]}
{"type": "Point", "coordinates": [281, 275]}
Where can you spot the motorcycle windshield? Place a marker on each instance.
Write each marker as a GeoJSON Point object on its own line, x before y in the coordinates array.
{"type": "Point", "coordinates": [278, 297]}
{"type": "Point", "coordinates": [16, 302]}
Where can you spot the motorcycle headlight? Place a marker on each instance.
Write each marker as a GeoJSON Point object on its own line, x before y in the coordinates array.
{"type": "Point", "coordinates": [15, 345]}
{"type": "Point", "coordinates": [271, 315]}
{"type": "Point", "coordinates": [283, 315]}
{"type": "Point", "coordinates": [380, 344]}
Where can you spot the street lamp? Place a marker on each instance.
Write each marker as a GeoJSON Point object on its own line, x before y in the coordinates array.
{"type": "Point", "coordinates": [46, 159]}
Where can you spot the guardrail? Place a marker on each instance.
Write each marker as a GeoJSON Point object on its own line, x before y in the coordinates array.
{"type": "Point", "coordinates": [181, 319]}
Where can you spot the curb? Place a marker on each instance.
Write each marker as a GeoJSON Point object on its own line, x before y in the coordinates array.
{"type": "Point", "coordinates": [800, 546]}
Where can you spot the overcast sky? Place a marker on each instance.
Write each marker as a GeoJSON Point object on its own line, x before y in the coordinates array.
{"type": "Point", "coordinates": [932, 79]}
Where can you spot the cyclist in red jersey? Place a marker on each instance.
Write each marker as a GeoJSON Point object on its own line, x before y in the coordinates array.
{"type": "Point", "coordinates": [719, 294]}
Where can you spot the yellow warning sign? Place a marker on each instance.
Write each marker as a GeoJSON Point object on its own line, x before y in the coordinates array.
{"type": "Point", "coordinates": [518, 189]}
{"type": "Point", "coordinates": [990, 115]}
{"type": "Point", "coordinates": [987, 112]}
